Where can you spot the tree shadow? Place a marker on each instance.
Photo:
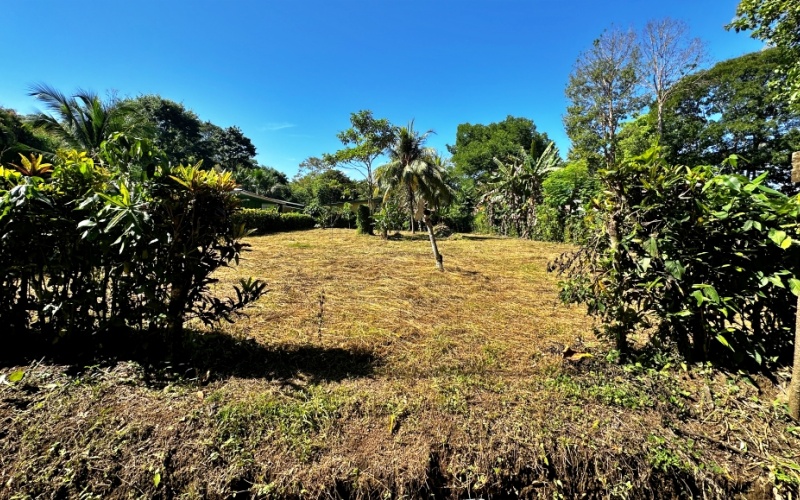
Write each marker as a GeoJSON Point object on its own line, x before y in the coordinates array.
{"type": "Point", "coordinates": [202, 357]}
{"type": "Point", "coordinates": [220, 356]}
{"type": "Point", "coordinates": [474, 237]}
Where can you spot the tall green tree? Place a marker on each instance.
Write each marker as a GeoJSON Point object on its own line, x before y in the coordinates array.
{"type": "Point", "coordinates": [603, 90]}
{"type": "Point", "coordinates": [183, 137]}
{"type": "Point", "coordinates": [18, 137]}
{"type": "Point", "coordinates": [173, 129]}
{"type": "Point", "coordinates": [776, 22]}
{"type": "Point", "coordinates": [731, 109]}
{"type": "Point", "coordinates": [416, 170]}
{"type": "Point", "coordinates": [477, 145]}
{"type": "Point", "coordinates": [83, 121]}
{"type": "Point", "coordinates": [367, 139]}
{"type": "Point", "coordinates": [228, 147]}
{"type": "Point", "coordinates": [264, 181]}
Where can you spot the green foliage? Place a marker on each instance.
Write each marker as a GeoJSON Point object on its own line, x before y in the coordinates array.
{"type": "Point", "coordinates": [173, 129]}
{"type": "Point", "coordinates": [88, 249]}
{"type": "Point", "coordinates": [705, 258]}
{"type": "Point", "coordinates": [565, 212]}
{"type": "Point", "coordinates": [731, 109]}
{"type": "Point", "coordinates": [459, 215]}
{"type": "Point", "coordinates": [389, 218]}
{"type": "Point", "coordinates": [514, 190]}
{"type": "Point", "coordinates": [775, 22]}
{"type": "Point", "coordinates": [265, 181]}
{"type": "Point", "coordinates": [477, 145]}
{"type": "Point", "coordinates": [415, 172]}
{"type": "Point", "coordinates": [261, 221]}
{"type": "Point", "coordinates": [83, 121]}
{"type": "Point", "coordinates": [324, 187]}
{"type": "Point", "coordinates": [366, 140]}
{"type": "Point", "coordinates": [183, 137]}
{"type": "Point", "coordinates": [16, 137]}
{"type": "Point", "coordinates": [330, 216]}
{"type": "Point", "coordinates": [363, 220]}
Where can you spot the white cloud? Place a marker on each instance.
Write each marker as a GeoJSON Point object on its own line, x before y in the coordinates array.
{"type": "Point", "coordinates": [272, 127]}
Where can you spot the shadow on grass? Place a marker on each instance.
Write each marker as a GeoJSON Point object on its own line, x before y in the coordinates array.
{"type": "Point", "coordinates": [224, 356]}
{"type": "Point", "coordinates": [482, 237]}
{"type": "Point", "coordinates": [201, 358]}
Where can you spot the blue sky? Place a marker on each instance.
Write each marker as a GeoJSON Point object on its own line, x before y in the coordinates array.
{"type": "Point", "coordinates": [289, 73]}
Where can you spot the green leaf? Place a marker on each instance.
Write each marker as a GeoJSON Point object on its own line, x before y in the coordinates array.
{"type": "Point", "coordinates": [722, 340]}
{"type": "Point", "coordinates": [651, 247]}
{"type": "Point", "coordinates": [697, 294]}
{"type": "Point", "coordinates": [786, 243]}
{"type": "Point", "coordinates": [16, 376]}
{"type": "Point", "coordinates": [675, 268]}
{"type": "Point", "coordinates": [156, 479]}
{"type": "Point", "coordinates": [711, 293]}
{"type": "Point", "coordinates": [777, 236]}
{"type": "Point", "coordinates": [794, 286]}
{"type": "Point", "coordinates": [776, 280]}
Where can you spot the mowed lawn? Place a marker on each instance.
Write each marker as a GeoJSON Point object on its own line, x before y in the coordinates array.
{"type": "Point", "coordinates": [334, 288]}
{"type": "Point", "coordinates": [364, 372]}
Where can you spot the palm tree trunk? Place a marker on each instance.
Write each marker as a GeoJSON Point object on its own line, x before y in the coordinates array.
{"type": "Point", "coordinates": [411, 209]}
{"type": "Point", "coordinates": [434, 247]}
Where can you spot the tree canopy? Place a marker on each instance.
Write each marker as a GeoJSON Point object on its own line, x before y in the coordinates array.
{"type": "Point", "coordinates": [17, 137]}
{"type": "Point", "coordinates": [366, 140]}
{"type": "Point", "coordinates": [776, 22]}
{"type": "Point", "coordinates": [603, 90]}
{"type": "Point", "coordinates": [730, 109]}
{"type": "Point", "coordinates": [477, 145]}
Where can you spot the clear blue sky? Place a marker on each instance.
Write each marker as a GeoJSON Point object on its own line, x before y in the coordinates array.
{"type": "Point", "coordinates": [289, 73]}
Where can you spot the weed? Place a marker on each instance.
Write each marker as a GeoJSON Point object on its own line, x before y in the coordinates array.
{"type": "Point", "coordinates": [295, 420]}
{"type": "Point", "coordinates": [617, 392]}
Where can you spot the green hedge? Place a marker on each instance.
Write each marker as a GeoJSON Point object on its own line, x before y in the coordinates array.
{"type": "Point", "coordinates": [267, 221]}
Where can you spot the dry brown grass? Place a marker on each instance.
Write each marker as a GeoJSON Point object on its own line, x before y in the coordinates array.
{"type": "Point", "coordinates": [386, 296]}
{"type": "Point", "coordinates": [365, 372]}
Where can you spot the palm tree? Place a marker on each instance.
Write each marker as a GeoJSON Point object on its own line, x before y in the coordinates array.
{"type": "Point", "coordinates": [82, 121]}
{"type": "Point", "coordinates": [419, 173]}
{"type": "Point", "coordinates": [405, 154]}
{"type": "Point", "coordinates": [514, 190]}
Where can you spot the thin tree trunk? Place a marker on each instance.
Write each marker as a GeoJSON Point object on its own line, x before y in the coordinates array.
{"type": "Point", "coordinates": [410, 196]}
{"type": "Point", "coordinates": [794, 386]}
{"type": "Point", "coordinates": [434, 247]}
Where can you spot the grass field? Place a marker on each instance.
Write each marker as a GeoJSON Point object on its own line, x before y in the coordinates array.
{"type": "Point", "coordinates": [364, 372]}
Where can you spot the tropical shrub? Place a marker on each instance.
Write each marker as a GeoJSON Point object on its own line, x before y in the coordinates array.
{"type": "Point", "coordinates": [565, 211]}
{"type": "Point", "coordinates": [363, 220]}
{"type": "Point", "coordinates": [389, 218]}
{"type": "Point", "coordinates": [87, 249]}
{"type": "Point", "coordinates": [330, 216]}
{"type": "Point", "coordinates": [513, 192]}
{"type": "Point", "coordinates": [263, 221]}
{"type": "Point", "coordinates": [706, 260]}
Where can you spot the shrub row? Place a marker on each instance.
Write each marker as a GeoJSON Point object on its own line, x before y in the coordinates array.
{"type": "Point", "coordinates": [705, 260]}
{"type": "Point", "coordinates": [88, 249]}
{"type": "Point", "coordinates": [267, 221]}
